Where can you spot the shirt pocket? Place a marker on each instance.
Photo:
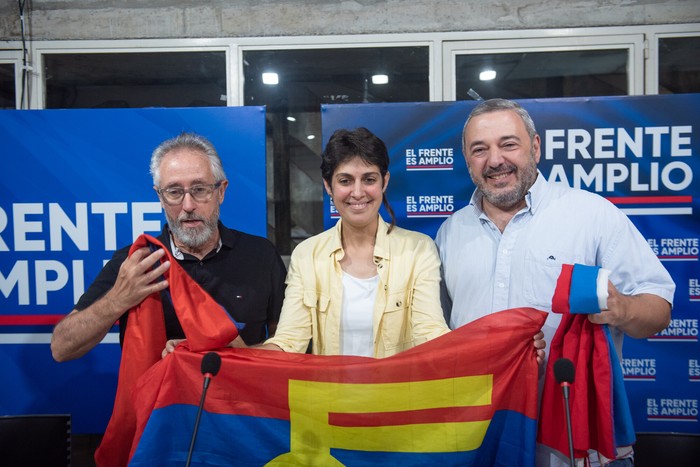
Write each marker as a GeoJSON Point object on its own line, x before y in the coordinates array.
{"type": "Point", "coordinates": [542, 269]}
{"type": "Point", "coordinates": [396, 331]}
{"type": "Point", "coordinates": [318, 306]}
{"type": "Point", "coordinates": [315, 303]}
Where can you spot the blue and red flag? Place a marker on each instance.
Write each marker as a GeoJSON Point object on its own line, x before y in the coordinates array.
{"type": "Point", "coordinates": [206, 324]}
{"type": "Point", "coordinates": [600, 415]}
{"type": "Point", "coordinates": [466, 398]}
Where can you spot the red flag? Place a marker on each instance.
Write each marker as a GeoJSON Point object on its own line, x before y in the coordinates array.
{"type": "Point", "coordinates": [206, 324]}
{"type": "Point", "coordinates": [600, 415]}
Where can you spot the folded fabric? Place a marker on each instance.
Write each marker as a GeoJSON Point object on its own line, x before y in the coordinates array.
{"type": "Point", "coordinates": [207, 326]}
{"type": "Point", "coordinates": [600, 416]}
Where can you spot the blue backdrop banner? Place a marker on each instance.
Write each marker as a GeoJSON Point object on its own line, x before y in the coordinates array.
{"type": "Point", "coordinates": [75, 187]}
{"type": "Point", "coordinates": [639, 152]}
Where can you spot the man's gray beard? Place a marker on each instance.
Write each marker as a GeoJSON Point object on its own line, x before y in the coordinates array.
{"type": "Point", "coordinates": [194, 238]}
{"type": "Point", "coordinates": [506, 200]}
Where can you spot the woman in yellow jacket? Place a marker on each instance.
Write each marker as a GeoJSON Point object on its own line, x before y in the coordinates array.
{"type": "Point", "coordinates": [365, 286]}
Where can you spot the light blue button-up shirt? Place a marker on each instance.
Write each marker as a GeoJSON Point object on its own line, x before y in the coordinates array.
{"type": "Point", "coordinates": [485, 271]}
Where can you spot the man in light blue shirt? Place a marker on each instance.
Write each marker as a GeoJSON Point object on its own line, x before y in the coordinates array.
{"type": "Point", "coordinates": [506, 248]}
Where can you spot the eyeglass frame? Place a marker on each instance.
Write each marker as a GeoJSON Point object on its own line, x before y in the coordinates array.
{"type": "Point", "coordinates": [185, 191]}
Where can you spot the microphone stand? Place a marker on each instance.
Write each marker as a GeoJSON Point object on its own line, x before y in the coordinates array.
{"type": "Point", "coordinates": [567, 410]}
{"type": "Point", "coordinates": [211, 363]}
{"type": "Point", "coordinates": [207, 379]}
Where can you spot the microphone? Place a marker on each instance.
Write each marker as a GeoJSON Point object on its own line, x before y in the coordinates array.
{"type": "Point", "coordinates": [564, 374]}
{"type": "Point", "coordinates": [211, 363]}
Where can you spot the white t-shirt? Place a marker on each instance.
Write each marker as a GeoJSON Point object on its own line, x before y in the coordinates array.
{"type": "Point", "coordinates": [357, 312]}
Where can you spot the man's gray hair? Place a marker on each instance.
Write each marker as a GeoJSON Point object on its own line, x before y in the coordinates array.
{"type": "Point", "coordinates": [190, 141]}
{"type": "Point", "coordinates": [495, 105]}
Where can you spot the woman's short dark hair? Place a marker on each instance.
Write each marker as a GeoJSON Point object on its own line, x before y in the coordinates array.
{"type": "Point", "coordinates": [345, 145]}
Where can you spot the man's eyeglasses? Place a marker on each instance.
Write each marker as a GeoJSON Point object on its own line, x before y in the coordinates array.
{"type": "Point", "coordinates": [174, 195]}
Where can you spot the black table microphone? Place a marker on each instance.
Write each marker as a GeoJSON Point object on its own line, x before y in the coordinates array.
{"type": "Point", "coordinates": [564, 374]}
{"type": "Point", "coordinates": [211, 363]}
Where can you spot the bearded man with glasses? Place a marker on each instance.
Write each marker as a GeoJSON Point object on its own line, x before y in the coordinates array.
{"type": "Point", "coordinates": [242, 273]}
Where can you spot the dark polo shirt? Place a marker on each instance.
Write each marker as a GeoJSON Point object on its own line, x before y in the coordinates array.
{"type": "Point", "coordinates": [246, 277]}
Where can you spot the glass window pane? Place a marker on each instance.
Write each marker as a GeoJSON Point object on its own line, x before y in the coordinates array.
{"type": "Point", "coordinates": [305, 80]}
{"type": "Point", "coordinates": [7, 86]}
{"type": "Point", "coordinates": [331, 76]}
{"type": "Point", "coordinates": [526, 75]}
{"type": "Point", "coordinates": [163, 79]}
{"type": "Point", "coordinates": [679, 65]}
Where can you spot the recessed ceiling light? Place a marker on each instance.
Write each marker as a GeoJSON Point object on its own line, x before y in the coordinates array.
{"type": "Point", "coordinates": [291, 119]}
{"type": "Point", "coordinates": [270, 78]}
{"type": "Point", "coordinates": [380, 79]}
{"type": "Point", "coordinates": [487, 75]}
{"type": "Point", "coordinates": [310, 137]}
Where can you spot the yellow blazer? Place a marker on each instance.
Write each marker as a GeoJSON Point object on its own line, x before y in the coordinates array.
{"type": "Point", "coordinates": [407, 309]}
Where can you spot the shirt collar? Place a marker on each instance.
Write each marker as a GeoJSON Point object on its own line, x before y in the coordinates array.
{"type": "Point", "coordinates": [536, 193]}
{"type": "Point", "coordinates": [381, 243]}
{"type": "Point", "coordinates": [179, 255]}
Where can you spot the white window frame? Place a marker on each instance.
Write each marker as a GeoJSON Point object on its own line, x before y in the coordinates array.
{"type": "Point", "coordinates": [641, 41]}
{"type": "Point", "coordinates": [13, 57]}
{"type": "Point", "coordinates": [340, 42]}
{"type": "Point", "coordinates": [130, 46]}
{"type": "Point", "coordinates": [664, 32]}
{"type": "Point", "coordinates": [633, 43]}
